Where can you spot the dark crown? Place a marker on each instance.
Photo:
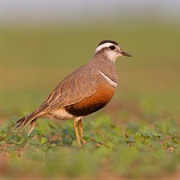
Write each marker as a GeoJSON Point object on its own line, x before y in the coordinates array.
{"type": "Point", "coordinates": [107, 41]}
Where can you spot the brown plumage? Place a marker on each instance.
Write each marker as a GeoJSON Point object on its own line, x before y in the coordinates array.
{"type": "Point", "coordinates": [86, 90]}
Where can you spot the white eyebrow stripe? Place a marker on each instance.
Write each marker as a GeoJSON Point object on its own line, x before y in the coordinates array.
{"type": "Point", "coordinates": [103, 46]}
{"type": "Point", "coordinates": [109, 80]}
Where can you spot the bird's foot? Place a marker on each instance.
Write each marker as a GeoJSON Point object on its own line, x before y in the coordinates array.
{"type": "Point", "coordinates": [83, 141]}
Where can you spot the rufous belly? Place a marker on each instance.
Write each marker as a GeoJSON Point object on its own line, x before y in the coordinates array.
{"type": "Point", "coordinates": [93, 103]}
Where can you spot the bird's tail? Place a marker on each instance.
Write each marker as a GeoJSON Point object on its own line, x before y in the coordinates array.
{"type": "Point", "coordinates": [30, 119]}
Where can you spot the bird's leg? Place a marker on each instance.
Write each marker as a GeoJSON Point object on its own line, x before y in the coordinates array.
{"type": "Point", "coordinates": [76, 129]}
{"type": "Point", "coordinates": [81, 131]}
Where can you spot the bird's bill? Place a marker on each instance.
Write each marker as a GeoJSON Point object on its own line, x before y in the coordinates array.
{"type": "Point", "coordinates": [125, 54]}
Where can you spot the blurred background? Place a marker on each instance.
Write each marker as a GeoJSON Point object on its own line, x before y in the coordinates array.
{"type": "Point", "coordinates": [43, 41]}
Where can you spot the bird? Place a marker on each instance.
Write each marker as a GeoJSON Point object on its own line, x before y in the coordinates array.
{"type": "Point", "coordinates": [85, 91]}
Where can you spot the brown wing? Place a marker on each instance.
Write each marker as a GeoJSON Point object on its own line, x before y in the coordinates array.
{"type": "Point", "coordinates": [79, 85]}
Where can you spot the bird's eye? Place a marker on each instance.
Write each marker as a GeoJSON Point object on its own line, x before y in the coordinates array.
{"type": "Point", "coordinates": [112, 47]}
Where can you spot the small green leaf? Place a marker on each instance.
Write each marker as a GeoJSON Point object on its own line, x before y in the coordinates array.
{"type": "Point", "coordinates": [43, 140]}
{"type": "Point", "coordinates": [2, 142]}
{"type": "Point", "coordinates": [87, 138]}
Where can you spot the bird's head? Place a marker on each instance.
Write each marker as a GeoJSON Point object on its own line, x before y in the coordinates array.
{"type": "Point", "coordinates": [110, 49]}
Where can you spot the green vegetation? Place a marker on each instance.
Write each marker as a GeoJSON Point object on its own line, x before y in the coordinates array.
{"type": "Point", "coordinates": [139, 127]}
{"type": "Point", "coordinates": [51, 150]}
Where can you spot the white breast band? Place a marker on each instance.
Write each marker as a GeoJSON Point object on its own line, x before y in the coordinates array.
{"type": "Point", "coordinates": [109, 80]}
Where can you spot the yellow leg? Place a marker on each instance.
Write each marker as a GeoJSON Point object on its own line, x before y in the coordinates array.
{"type": "Point", "coordinates": [81, 131]}
{"type": "Point", "coordinates": [76, 129]}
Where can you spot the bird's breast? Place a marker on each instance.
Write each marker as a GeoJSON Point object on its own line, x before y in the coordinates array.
{"type": "Point", "coordinates": [98, 100]}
